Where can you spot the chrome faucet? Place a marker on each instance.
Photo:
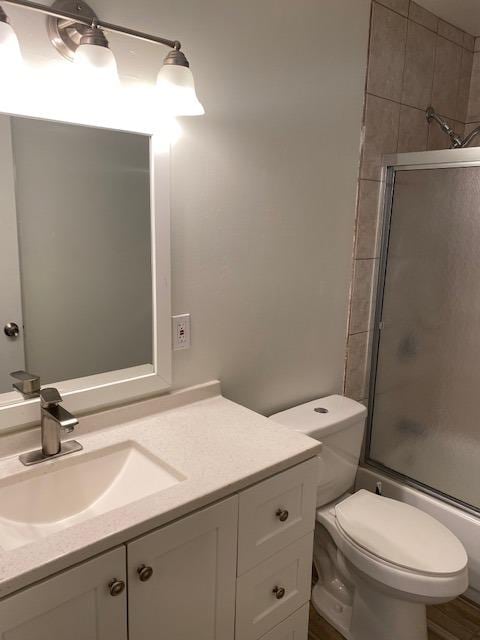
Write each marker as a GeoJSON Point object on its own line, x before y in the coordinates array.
{"type": "Point", "coordinates": [54, 418]}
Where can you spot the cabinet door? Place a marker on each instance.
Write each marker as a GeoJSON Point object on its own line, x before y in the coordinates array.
{"type": "Point", "coordinates": [73, 605]}
{"type": "Point", "coordinates": [188, 587]}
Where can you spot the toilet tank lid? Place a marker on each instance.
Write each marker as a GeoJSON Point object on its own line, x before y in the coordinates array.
{"type": "Point", "coordinates": [321, 417]}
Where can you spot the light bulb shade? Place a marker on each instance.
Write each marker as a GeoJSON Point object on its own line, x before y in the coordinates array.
{"type": "Point", "coordinates": [177, 91]}
{"type": "Point", "coordinates": [96, 65]}
{"type": "Point", "coordinates": [10, 56]}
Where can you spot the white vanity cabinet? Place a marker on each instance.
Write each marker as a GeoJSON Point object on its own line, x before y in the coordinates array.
{"type": "Point", "coordinates": [237, 570]}
{"type": "Point", "coordinates": [181, 579]}
{"type": "Point", "coordinates": [73, 605]}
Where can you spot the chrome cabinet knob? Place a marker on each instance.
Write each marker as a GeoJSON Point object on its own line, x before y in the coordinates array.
{"type": "Point", "coordinates": [282, 515]}
{"type": "Point", "coordinates": [116, 587]}
{"type": "Point", "coordinates": [144, 573]}
{"type": "Point", "coordinates": [278, 592]}
{"type": "Point", "coordinates": [11, 329]}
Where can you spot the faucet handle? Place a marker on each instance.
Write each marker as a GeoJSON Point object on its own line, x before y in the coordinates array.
{"type": "Point", "coordinates": [28, 383]}
{"type": "Point", "coordinates": [50, 397]}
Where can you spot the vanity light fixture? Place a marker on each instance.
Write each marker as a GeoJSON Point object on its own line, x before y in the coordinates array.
{"type": "Point", "coordinates": [177, 87]}
{"type": "Point", "coordinates": [77, 33]}
{"type": "Point", "coordinates": [10, 56]}
{"type": "Point", "coordinates": [94, 59]}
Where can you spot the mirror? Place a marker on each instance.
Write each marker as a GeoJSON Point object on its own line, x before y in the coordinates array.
{"type": "Point", "coordinates": [75, 254]}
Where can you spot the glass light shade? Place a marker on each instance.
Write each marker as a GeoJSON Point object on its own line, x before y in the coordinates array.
{"type": "Point", "coordinates": [10, 56]}
{"type": "Point", "coordinates": [177, 91]}
{"type": "Point", "coordinates": [96, 65]}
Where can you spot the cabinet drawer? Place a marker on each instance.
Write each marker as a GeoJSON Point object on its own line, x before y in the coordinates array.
{"type": "Point", "coordinates": [274, 590]}
{"type": "Point", "coordinates": [293, 628]}
{"type": "Point", "coordinates": [276, 512]}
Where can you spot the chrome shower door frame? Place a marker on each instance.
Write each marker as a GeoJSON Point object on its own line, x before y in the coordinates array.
{"type": "Point", "coordinates": [449, 158]}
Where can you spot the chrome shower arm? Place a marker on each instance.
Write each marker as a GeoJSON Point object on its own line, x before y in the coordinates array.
{"type": "Point", "coordinates": [473, 134]}
{"type": "Point", "coordinates": [456, 140]}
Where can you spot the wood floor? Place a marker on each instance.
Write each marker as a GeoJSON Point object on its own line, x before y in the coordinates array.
{"type": "Point", "coordinates": [457, 620]}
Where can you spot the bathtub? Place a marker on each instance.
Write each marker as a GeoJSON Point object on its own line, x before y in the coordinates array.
{"type": "Point", "coordinates": [464, 525]}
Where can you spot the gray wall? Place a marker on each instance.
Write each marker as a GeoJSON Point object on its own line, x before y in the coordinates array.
{"type": "Point", "coordinates": [83, 215]}
{"type": "Point", "coordinates": [263, 186]}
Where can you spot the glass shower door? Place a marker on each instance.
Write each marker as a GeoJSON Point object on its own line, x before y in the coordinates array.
{"type": "Point", "coordinates": [425, 393]}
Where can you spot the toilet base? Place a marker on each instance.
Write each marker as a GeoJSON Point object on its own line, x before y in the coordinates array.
{"type": "Point", "coordinates": [336, 613]}
{"type": "Point", "coordinates": [373, 616]}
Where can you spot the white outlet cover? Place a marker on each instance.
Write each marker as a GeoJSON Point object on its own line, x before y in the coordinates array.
{"type": "Point", "coordinates": [181, 331]}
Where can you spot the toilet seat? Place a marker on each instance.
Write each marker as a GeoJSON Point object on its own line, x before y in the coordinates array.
{"type": "Point", "coordinates": [400, 534]}
{"type": "Point", "coordinates": [351, 520]}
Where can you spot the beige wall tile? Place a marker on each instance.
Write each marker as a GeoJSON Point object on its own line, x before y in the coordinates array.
{"type": "Point", "coordinates": [464, 83]}
{"type": "Point", "coordinates": [413, 130]}
{"type": "Point", "coordinates": [381, 135]}
{"type": "Point", "coordinates": [423, 17]}
{"type": "Point", "coordinates": [361, 309]}
{"type": "Point", "coordinates": [387, 53]}
{"type": "Point", "coordinates": [401, 6]}
{"type": "Point", "coordinates": [468, 42]}
{"type": "Point", "coordinates": [368, 228]}
{"type": "Point", "coordinates": [473, 111]}
{"type": "Point", "coordinates": [446, 77]}
{"type": "Point", "coordinates": [358, 365]}
{"type": "Point", "coordinates": [419, 66]}
{"type": "Point", "coordinates": [450, 32]}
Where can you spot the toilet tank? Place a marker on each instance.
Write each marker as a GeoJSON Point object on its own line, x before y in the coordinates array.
{"type": "Point", "coordinates": [339, 424]}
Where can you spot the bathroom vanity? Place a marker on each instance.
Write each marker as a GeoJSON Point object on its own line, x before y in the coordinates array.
{"type": "Point", "coordinates": [184, 516]}
{"type": "Point", "coordinates": [221, 547]}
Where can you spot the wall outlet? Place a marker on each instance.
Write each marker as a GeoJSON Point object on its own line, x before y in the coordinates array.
{"type": "Point", "coordinates": [181, 331]}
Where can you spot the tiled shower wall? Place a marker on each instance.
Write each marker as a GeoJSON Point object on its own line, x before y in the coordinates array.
{"type": "Point", "coordinates": [415, 60]}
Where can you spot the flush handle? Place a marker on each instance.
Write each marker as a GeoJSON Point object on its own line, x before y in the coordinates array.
{"type": "Point", "coordinates": [278, 592]}
{"type": "Point", "coordinates": [144, 573]}
{"type": "Point", "coordinates": [116, 587]}
{"type": "Point", "coordinates": [282, 514]}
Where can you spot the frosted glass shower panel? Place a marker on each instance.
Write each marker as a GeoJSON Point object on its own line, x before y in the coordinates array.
{"type": "Point", "coordinates": [426, 410]}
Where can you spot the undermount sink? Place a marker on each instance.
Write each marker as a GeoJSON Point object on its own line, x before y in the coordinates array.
{"type": "Point", "coordinates": [57, 495]}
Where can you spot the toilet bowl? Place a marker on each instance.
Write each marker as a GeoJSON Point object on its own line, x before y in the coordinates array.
{"type": "Point", "coordinates": [379, 561]}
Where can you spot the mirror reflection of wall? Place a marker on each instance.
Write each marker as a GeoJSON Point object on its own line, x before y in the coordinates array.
{"type": "Point", "coordinates": [75, 250]}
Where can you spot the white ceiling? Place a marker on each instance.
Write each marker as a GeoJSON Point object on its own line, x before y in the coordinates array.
{"type": "Point", "coordinates": [462, 13]}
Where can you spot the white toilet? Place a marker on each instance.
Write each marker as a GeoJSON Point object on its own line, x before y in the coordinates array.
{"type": "Point", "coordinates": [379, 561]}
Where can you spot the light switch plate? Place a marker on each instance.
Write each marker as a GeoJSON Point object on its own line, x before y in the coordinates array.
{"type": "Point", "coordinates": [181, 331]}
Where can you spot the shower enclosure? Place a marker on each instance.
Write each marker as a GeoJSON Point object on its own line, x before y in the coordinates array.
{"type": "Point", "coordinates": [424, 413]}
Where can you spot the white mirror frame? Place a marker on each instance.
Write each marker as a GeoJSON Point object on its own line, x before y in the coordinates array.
{"type": "Point", "coordinates": [84, 395]}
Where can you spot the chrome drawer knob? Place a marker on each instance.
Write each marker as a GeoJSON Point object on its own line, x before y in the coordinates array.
{"type": "Point", "coordinates": [144, 573]}
{"type": "Point", "coordinates": [282, 514]}
{"type": "Point", "coordinates": [116, 587]}
{"type": "Point", "coordinates": [278, 592]}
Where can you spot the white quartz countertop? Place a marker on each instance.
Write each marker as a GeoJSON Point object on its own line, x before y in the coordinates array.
{"type": "Point", "coordinates": [219, 446]}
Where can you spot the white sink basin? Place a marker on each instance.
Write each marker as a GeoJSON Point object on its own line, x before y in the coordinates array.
{"type": "Point", "coordinates": [59, 494]}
